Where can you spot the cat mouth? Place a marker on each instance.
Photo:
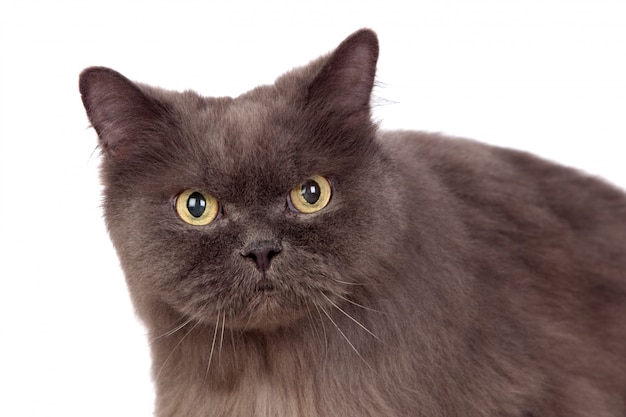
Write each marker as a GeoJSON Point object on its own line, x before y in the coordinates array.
{"type": "Point", "coordinates": [265, 286]}
{"type": "Point", "coordinates": [270, 305]}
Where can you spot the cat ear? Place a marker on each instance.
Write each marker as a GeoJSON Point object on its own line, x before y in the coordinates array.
{"type": "Point", "coordinates": [346, 80]}
{"type": "Point", "coordinates": [118, 109]}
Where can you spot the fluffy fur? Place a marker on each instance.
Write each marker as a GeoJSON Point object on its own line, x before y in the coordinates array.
{"type": "Point", "coordinates": [444, 278]}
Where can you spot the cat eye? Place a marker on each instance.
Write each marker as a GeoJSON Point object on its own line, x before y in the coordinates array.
{"type": "Point", "coordinates": [310, 196]}
{"type": "Point", "coordinates": [196, 208]}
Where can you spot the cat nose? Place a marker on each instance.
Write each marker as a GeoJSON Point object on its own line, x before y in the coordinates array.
{"type": "Point", "coordinates": [262, 252]}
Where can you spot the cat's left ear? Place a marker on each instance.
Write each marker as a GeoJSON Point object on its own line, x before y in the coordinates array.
{"type": "Point", "coordinates": [346, 80]}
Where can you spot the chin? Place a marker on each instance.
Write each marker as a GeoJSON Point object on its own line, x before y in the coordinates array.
{"type": "Point", "coordinates": [268, 313]}
{"type": "Point", "coordinates": [264, 311]}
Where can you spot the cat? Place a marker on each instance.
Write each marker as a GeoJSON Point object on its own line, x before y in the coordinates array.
{"type": "Point", "coordinates": [288, 258]}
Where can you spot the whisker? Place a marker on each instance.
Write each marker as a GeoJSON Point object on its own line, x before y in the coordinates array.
{"type": "Point", "coordinates": [176, 347]}
{"type": "Point", "coordinates": [360, 305]}
{"type": "Point", "coordinates": [351, 318]}
{"type": "Point", "coordinates": [323, 328]}
{"type": "Point", "coordinates": [217, 322]}
{"type": "Point", "coordinates": [234, 350]}
{"type": "Point", "coordinates": [312, 325]}
{"type": "Point", "coordinates": [346, 339]}
{"type": "Point", "coordinates": [308, 310]}
{"type": "Point", "coordinates": [172, 331]}
{"type": "Point", "coordinates": [346, 282]}
{"type": "Point", "coordinates": [246, 326]}
{"type": "Point", "coordinates": [222, 335]}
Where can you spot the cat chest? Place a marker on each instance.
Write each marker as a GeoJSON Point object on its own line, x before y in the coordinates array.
{"type": "Point", "coordinates": [262, 397]}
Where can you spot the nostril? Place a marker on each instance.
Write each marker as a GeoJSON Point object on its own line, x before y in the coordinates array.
{"type": "Point", "coordinates": [262, 252]}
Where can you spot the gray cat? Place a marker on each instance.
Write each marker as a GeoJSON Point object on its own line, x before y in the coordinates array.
{"type": "Point", "coordinates": [290, 259]}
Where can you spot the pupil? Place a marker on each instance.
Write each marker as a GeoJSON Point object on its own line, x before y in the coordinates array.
{"type": "Point", "coordinates": [311, 191]}
{"type": "Point", "coordinates": [196, 204]}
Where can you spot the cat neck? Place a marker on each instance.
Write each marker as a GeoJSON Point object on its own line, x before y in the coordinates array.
{"type": "Point", "coordinates": [256, 372]}
{"type": "Point", "coordinates": [217, 352]}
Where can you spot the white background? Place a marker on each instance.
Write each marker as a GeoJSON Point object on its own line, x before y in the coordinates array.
{"type": "Point", "coordinates": [545, 76]}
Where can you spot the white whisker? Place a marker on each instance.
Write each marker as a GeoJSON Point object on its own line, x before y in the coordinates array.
{"type": "Point", "coordinates": [312, 325]}
{"type": "Point", "coordinates": [176, 347]}
{"type": "Point", "coordinates": [346, 282]}
{"type": "Point", "coordinates": [360, 305]}
{"type": "Point", "coordinates": [351, 318]}
{"type": "Point", "coordinates": [222, 335]}
{"type": "Point", "coordinates": [308, 310]}
{"type": "Point", "coordinates": [232, 342]}
{"type": "Point", "coordinates": [208, 367]}
{"type": "Point", "coordinates": [323, 328]}
{"type": "Point", "coordinates": [346, 339]}
{"type": "Point", "coordinates": [172, 331]}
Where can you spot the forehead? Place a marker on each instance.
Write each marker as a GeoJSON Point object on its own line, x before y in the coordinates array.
{"type": "Point", "coordinates": [244, 145]}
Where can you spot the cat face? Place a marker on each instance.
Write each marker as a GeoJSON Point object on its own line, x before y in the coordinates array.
{"type": "Point", "coordinates": [253, 211]}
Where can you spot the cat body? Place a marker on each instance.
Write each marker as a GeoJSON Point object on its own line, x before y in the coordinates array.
{"type": "Point", "coordinates": [425, 276]}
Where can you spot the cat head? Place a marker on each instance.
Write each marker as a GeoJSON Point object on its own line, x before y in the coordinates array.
{"type": "Point", "coordinates": [256, 209]}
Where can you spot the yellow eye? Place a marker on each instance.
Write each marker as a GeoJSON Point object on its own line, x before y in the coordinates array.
{"type": "Point", "coordinates": [197, 208]}
{"type": "Point", "coordinates": [310, 196]}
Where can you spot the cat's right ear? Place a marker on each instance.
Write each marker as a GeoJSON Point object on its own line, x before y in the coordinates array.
{"type": "Point", "coordinates": [118, 109]}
